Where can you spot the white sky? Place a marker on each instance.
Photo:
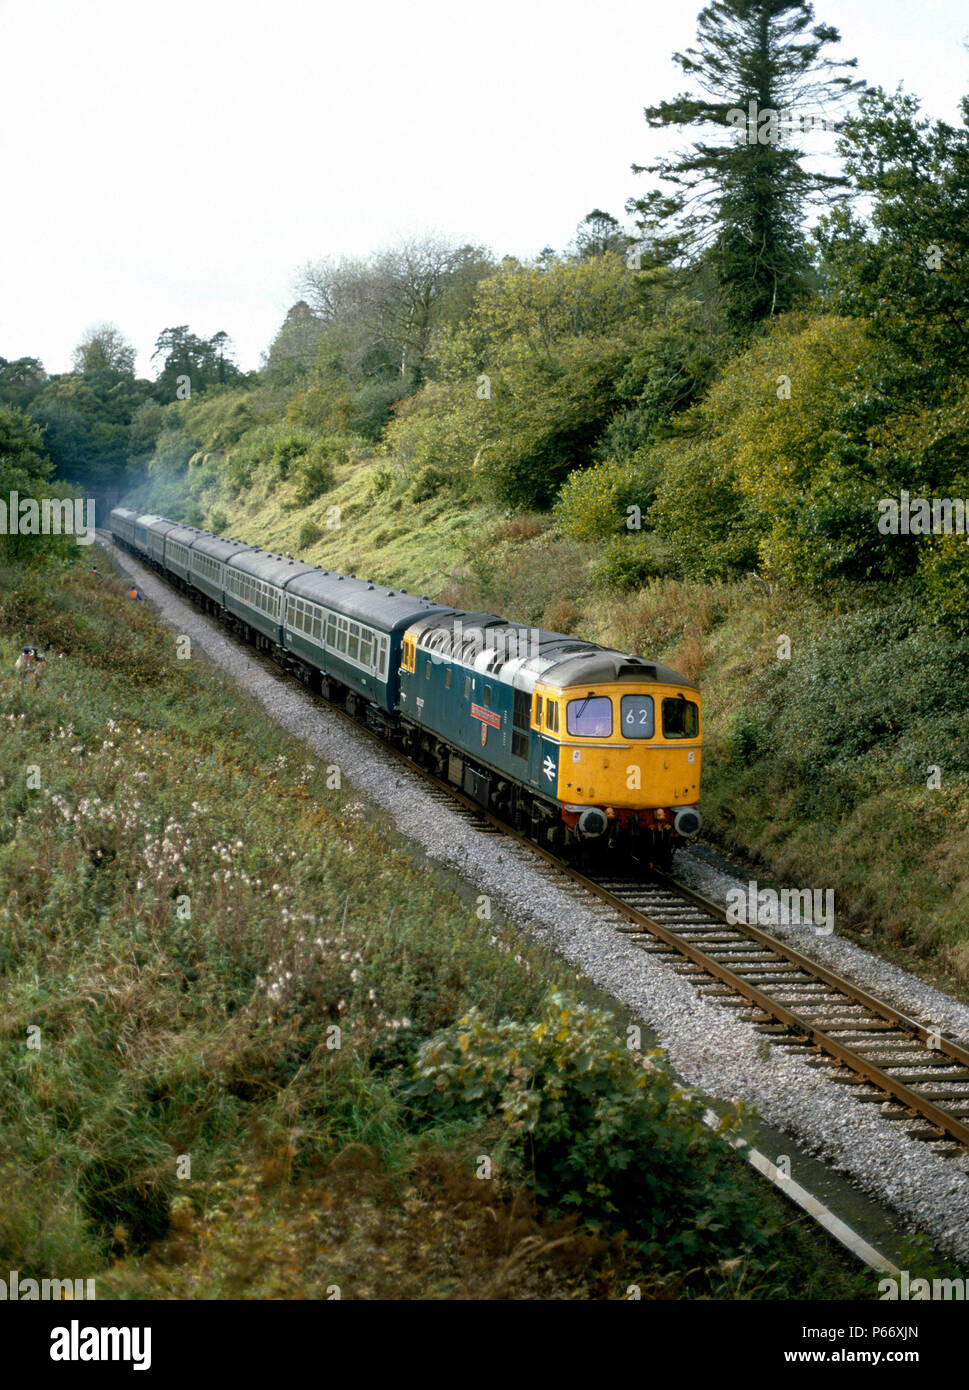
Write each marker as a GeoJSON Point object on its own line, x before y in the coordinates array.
{"type": "Point", "coordinates": [177, 164]}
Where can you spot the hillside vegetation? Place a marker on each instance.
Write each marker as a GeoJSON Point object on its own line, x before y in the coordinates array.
{"type": "Point", "coordinates": [751, 466]}
{"type": "Point", "coordinates": [254, 1050]}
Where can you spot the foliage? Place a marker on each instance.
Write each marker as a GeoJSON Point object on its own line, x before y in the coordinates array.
{"type": "Point", "coordinates": [741, 200]}
{"type": "Point", "coordinates": [775, 468]}
{"type": "Point", "coordinates": [27, 471]}
{"type": "Point", "coordinates": [528, 380]}
{"type": "Point", "coordinates": [104, 348]}
{"type": "Point", "coordinates": [192, 363]}
{"type": "Point", "coordinates": [21, 380]}
{"type": "Point", "coordinates": [622, 1142]}
{"type": "Point", "coordinates": [628, 562]}
{"type": "Point", "coordinates": [375, 317]}
{"type": "Point", "coordinates": [87, 421]}
{"type": "Point", "coordinates": [907, 272]}
{"type": "Point", "coordinates": [595, 503]}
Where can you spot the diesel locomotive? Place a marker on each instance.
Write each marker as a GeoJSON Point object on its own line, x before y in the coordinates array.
{"type": "Point", "coordinates": [582, 748]}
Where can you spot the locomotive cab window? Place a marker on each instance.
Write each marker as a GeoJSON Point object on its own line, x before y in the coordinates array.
{"type": "Point", "coordinates": [487, 697]}
{"type": "Point", "coordinates": [467, 687]}
{"type": "Point", "coordinates": [590, 717]}
{"type": "Point", "coordinates": [427, 670]}
{"type": "Point", "coordinates": [636, 716]}
{"type": "Point", "coordinates": [681, 718]}
{"type": "Point", "coordinates": [447, 679]}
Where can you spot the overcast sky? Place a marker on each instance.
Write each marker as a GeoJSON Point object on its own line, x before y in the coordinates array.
{"type": "Point", "coordinates": [177, 164]}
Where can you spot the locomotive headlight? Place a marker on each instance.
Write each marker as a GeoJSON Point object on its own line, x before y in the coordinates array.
{"type": "Point", "coordinates": [687, 821]}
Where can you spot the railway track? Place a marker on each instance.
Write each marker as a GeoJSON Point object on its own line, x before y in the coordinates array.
{"type": "Point", "coordinates": [918, 1075]}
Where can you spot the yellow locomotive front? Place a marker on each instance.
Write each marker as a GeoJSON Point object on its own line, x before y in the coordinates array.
{"type": "Point", "coordinates": [628, 756]}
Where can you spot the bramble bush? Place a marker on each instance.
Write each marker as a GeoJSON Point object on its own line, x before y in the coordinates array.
{"type": "Point", "coordinates": [593, 1131]}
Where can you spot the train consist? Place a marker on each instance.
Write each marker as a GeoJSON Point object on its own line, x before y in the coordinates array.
{"type": "Point", "coordinates": [579, 747]}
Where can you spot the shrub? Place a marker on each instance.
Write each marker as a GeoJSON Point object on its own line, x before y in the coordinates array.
{"type": "Point", "coordinates": [561, 615]}
{"type": "Point", "coordinates": [427, 483]}
{"type": "Point", "coordinates": [309, 534]}
{"type": "Point", "coordinates": [287, 451]}
{"type": "Point", "coordinates": [747, 737]}
{"type": "Point", "coordinates": [385, 479]}
{"type": "Point", "coordinates": [623, 1143]}
{"type": "Point", "coordinates": [313, 478]}
{"type": "Point", "coordinates": [594, 502]}
{"type": "Point", "coordinates": [628, 562]}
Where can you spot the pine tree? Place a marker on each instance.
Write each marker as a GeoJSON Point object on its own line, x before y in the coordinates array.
{"type": "Point", "coordinates": [739, 200]}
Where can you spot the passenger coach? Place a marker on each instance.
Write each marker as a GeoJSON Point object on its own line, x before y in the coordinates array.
{"type": "Point", "coordinates": [576, 744]}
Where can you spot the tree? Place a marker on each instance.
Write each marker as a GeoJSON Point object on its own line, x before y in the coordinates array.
{"type": "Point", "coordinates": [294, 347]}
{"type": "Point", "coordinates": [87, 421]}
{"type": "Point", "coordinates": [528, 380]}
{"type": "Point", "coordinates": [738, 202]}
{"type": "Point", "coordinates": [599, 232]}
{"type": "Point", "coordinates": [386, 308]}
{"type": "Point", "coordinates": [907, 270]}
{"type": "Point", "coordinates": [190, 364]}
{"type": "Point", "coordinates": [104, 348]}
{"type": "Point", "coordinates": [21, 380]}
{"type": "Point", "coordinates": [24, 468]}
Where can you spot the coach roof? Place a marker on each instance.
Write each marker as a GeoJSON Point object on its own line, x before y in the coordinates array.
{"type": "Point", "coordinates": [363, 601]}
{"type": "Point", "coordinates": [274, 569]}
{"type": "Point", "coordinates": [185, 534]}
{"type": "Point", "coordinates": [217, 546]}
